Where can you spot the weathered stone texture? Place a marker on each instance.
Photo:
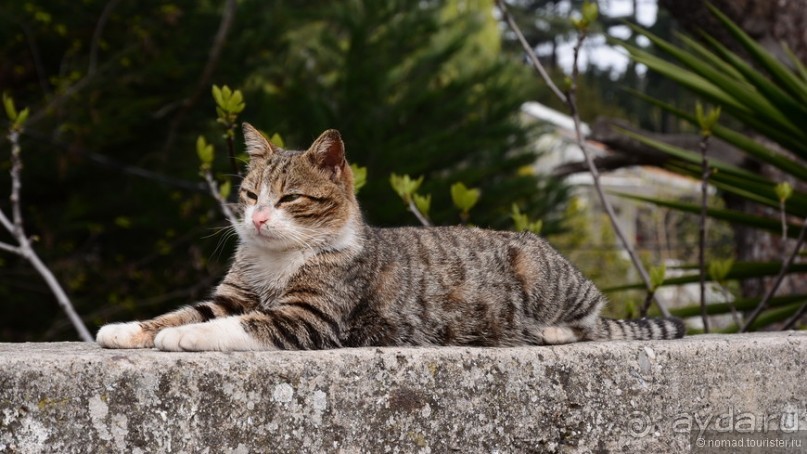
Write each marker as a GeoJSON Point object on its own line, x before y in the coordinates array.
{"type": "Point", "coordinates": [590, 397]}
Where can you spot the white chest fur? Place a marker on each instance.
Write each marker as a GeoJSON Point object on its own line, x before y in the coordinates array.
{"type": "Point", "coordinates": [273, 269]}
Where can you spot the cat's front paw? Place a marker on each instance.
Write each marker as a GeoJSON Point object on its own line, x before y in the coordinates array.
{"type": "Point", "coordinates": [216, 335]}
{"type": "Point", "coordinates": [124, 335]}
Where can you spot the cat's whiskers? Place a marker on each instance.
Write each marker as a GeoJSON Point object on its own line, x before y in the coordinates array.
{"type": "Point", "coordinates": [225, 233]}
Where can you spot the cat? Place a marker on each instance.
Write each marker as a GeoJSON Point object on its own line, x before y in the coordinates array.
{"type": "Point", "coordinates": [309, 273]}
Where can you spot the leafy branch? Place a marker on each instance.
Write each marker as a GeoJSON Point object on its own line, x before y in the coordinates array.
{"type": "Point", "coordinates": [406, 188]}
{"type": "Point", "coordinates": [229, 103]}
{"type": "Point", "coordinates": [15, 226]}
{"type": "Point", "coordinates": [219, 192]}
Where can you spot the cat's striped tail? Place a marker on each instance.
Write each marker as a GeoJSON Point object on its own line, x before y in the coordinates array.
{"type": "Point", "coordinates": [639, 329]}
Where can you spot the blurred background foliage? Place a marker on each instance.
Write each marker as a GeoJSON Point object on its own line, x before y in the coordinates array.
{"type": "Point", "coordinates": [120, 91]}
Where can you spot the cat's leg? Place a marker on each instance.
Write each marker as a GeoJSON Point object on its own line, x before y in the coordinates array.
{"type": "Point", "coordinates": [287, 326]}
{"type": "Point", "coordinates": [230, 298]}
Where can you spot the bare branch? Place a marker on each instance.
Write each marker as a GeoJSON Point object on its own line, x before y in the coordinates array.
{"type": "Point", "coordinates": [787, 262]}
{"type": "Point", "coordinates": [214, 191]}
{"type": "Point", "coordinates": [595, 174]}
{"type": "Point", "coordinates": [530, 52]}
{"type": "Point", "coordinates": [569, 98]}
{"type": "Point", "coordinates": [25, 250]}
{"type": "Point", "coordinates": [791, 322]}
{"type": "Point", "coordinates": [10, 248]}
{"type": "Point", "coordinates": [6, 222]}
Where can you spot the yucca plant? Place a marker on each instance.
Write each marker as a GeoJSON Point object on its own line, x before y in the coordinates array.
{"type": "Point", "coordinates": [770, 99]}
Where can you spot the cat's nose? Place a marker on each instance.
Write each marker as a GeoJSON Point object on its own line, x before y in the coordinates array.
{"type": "Point", "coordinates": [259, 217]}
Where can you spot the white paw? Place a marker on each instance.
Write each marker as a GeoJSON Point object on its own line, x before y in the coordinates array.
{"type": "Point", "coordinates": [558, 335]}
{"type": "Point", "coordinates": [224, 334]}
{"type": "Point", "coordinates": [124, 335]}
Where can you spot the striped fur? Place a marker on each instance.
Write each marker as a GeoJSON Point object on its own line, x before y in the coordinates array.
{"type": "Point", "coordinates": [310, 274]}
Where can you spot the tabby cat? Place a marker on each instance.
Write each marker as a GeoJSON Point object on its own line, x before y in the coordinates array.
{"type": "Point", "coordinates": [310, 274]}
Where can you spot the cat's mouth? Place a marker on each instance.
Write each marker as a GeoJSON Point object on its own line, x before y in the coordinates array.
{"type": "Point", "coordinates": [265, 233]}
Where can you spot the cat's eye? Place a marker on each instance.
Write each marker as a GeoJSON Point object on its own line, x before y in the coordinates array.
{"type": "Point", "coordinates": [251, 195]}
{"type": "Point", "coordinates": [289, 198]}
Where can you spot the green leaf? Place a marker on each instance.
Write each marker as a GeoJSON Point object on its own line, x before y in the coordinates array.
{"type": "Point", "coordinates": [520, 220]}
{"type": "Point", "coordinates": [464, 198]}
{"type": "Point", "coordinates": [359, 174]}
{"type": "Point", "coordinates": [657, 274]}
{"type": "Point", "coordinates": [236, 98]}
{"type": "Point", "coordinates": [719, 269]}
{"type": "Point", "coordinates": [276, 139]}
{"type": "Point", "coordinates": [706, 120]}
{"type": "Point", "coordinates": [423, 203]}
{"type": "Point", "coordinates": [522, 223]}
{"type": "Point", "coordinates": [228, 103]}
{"type": "Point", "coordinates": [741, 100]}
{"type": "Point", "coordinates": [22, 117]}
{"type": "Point", "coordinates": [123, 222]}
{"type": "Point", "coordinates": [405, 186]}
{"type": "Point", "coordinates": [779, 71]}
{"type": "Point", "coordinates": [225, 189]}
{"type": "Point", "coordinates": [795, 61]}
{"type": "Point", "coordinates": [590, 11]}
{"type": "Point", "coordinates": [784, 191]}
{"type": "Point", "coordinates": [8, 104]}
{"type": "Point", "coordinates": [204, 151]}
{"type": "Point", "coordinates": [217, 96]}
{"type": "Point", "coordinates": [773, 92]}
{"type": "Point", "coordinates": [741, 141]}
{"type": "Point", "coordinates": [689, 156]}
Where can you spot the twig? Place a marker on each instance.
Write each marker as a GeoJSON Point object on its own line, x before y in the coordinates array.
{"type": "Point", "coordinates": [704, 145]}
{"type": "Point", "coordinates": [214, 191]}
{"type": "Point", "coordinates": [791, 322]}
{"type": "Point", "coordinates": [530, 52]}
{"type": "Point", "coordinates": [786, 263]}
{"type": "Point", "coordinates": [569, 99]}
{"type": "Point", "coordinates": [414, 209]}
{"type": "Point", "coordinates": [10, 248]}
{"type": "Point", "coordinates": [735, 314]}
{"type": "Point", "coordinates": [25, 250]}
{"type": "Point", "coordinates": [648, 300]}
{"type": "Point", "coordinates": [595, 174]}
{"type": "Point", "coordinates": [231, 152]}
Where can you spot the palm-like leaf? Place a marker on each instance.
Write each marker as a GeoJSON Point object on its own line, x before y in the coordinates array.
{"type": "Point", "coordinates": [768, 97]}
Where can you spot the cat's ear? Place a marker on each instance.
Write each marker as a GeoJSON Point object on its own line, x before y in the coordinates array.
{"type": "Point", "coordinates": [257, 145]}
{"type": "Point", "coordinates": [328, 152]}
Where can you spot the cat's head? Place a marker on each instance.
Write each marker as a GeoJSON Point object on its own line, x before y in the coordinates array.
{"type": "Point", "coordinates": [297, 199]}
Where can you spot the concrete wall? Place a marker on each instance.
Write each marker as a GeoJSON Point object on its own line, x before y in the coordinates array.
{"type": "Point", "coordinates": [590, 397]}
